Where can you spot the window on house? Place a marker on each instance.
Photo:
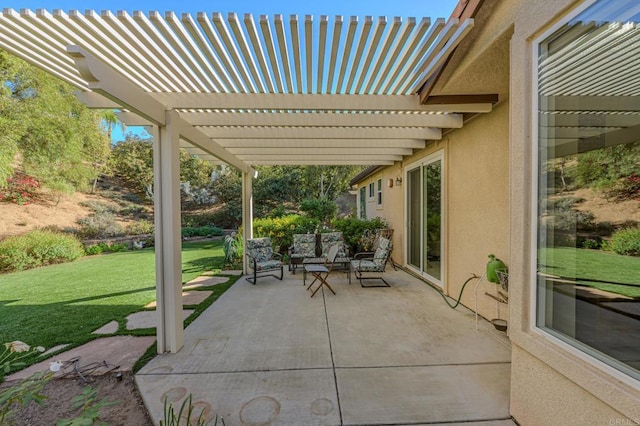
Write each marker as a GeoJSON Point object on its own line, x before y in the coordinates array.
{"type": "Point", "coordinates": [371, 190]}
{"type": "Point", "coordinates": [379, 201]}
{"type": "Point", "coordinates": [588, 271]}
{"type": "Point", "coordinates": [363, 203]}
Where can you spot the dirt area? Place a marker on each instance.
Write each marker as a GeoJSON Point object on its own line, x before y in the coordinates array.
{"type": "Point", "coordinates": [18, 219]}
{"type": "Point", "coordinates": [606, 210]}
{"type": "Point", "coordinates": [128, 410]}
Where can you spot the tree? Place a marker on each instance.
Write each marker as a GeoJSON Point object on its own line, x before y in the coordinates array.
{"type": "Point", "coordinates": [132, 161]}
{"type": "Point", "coordinates": [57, 138]}
{"type": "Point", "coordinates": [109, 122]}
{"type": "Point", "coordinates": [604, 168]}
{"type": "Point", "coordinates": [327, 181]}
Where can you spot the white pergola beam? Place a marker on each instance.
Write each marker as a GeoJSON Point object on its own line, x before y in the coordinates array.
{"type": "Point", "coordinates": [370, 158]}
{"type": "Point", "coordinates": [131, 119]}
{"type": "Point", "coordinates": [322, 119]}
{"type": "Point", "coordinates": [326, 143]}
{"type": "Point", "coordinates": [321, 132]}
{"type": "Point", "coordinates": [96, 101]}
{"type": "Point", "coordinates": [316, 151]}
{"type": "Point", "coordinates": [295, 101]}
{"type": "Point", "coordinates": [361, 144]}
{"type": "Point", "coordinates": [107, 82]}
{"type": "Point", "coordinates": [312, 161]}
{"type": "Point", "coordinates": [200, 140]}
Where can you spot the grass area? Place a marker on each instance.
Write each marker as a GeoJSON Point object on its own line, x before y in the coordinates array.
{"type": "Point", "coordinates": [596, 268]}
{"type": "Point", "coordinates": [65, 303]}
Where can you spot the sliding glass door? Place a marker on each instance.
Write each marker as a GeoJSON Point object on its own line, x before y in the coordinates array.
{"type": "Point", "coordinates": [424, 217]}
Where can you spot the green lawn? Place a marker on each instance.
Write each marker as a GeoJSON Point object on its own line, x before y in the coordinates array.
{"type": "Point", "coordinates": [599, 269]}
{"type": "Point", "coordinates": [65, 303]}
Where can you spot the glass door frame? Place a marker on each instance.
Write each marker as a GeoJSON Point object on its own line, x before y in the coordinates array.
{"type": "Point", "coordinates": [425, 161]}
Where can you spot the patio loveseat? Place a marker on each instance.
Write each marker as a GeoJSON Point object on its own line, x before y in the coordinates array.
{"type": "Point", "coordinates": [314, 246]}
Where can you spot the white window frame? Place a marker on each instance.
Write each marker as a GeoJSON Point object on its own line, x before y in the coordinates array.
{"type": "Point", "coordinates": [372, 191]}
{"type": "Point", "coordinates": [438, 155]}
{"type": "Point", "coordinates": [379, 193]}
{"type": "Point", "coordinates": [577, 349]}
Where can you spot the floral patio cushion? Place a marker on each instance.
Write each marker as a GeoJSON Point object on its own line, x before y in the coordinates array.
{"type": "Point", "coordinates": [304, 245]}
{"type": "Point", "coordinates": [269, 264]}
{"type": "Point", "coordinates": [382, 252]}
{"type": "Point", "coordinates": [365, 265]}
{"type": "Point", "coordinates": [384, 243]}
{"type": "Point", "coordinates": [259, 249]}
{"type": "Point", "coordinates": [329, 240]}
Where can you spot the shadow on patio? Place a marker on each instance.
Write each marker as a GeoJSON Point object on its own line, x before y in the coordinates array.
{"type": "Point", "coordinates": [270, 354]}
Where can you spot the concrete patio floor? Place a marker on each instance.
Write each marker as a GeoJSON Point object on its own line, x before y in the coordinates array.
{"type": "Point", "coordinates": [270, 355]}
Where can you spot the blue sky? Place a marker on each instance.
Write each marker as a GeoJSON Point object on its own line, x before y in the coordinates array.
{"type": "Point", "coordinates": [403, 8]}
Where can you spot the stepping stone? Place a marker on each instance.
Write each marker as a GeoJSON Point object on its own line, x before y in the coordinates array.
{"type": "Point", "coordinates": [121, 351]}
{"type": "Point", "coordinates": [147, 319]}
{"type": "Point", "coordinates": [108, 328]}
{"type": "Point", "coordinates": [235, 272]}
{"type": "Point", "coordinates": [188, 298]}
{"type": "Point", "coordinates": [204, 281]}
{"type": "Point", "coordinates": [194, 297]}
{"type": "Point", "coordinates": [54, 349]}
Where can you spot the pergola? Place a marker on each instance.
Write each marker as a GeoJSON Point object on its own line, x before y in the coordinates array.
{"type": "Point", "coordinates": [247, 92]}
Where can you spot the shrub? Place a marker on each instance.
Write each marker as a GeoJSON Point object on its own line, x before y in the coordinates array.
{"type": "Point", "coordinates": [198, 219]}
{"type": "Point", "coordinates": [105, 248]}
{"type": "Point", "coordinates": [590, 243]}
{"type": "Point", "coordinates": [564, 217]}
{"type": "Point", "coordinates": [320, 208]}
{"type": "Point", "coordinates": [626, 242]}
{"type": "Point", "coordinates": [38, 248]}
{"type": "Point", "coordinates": [100, 207]}
{"type": "Point", "coordinates": [131, 209]}
{"type": "Point", "coordinates": [353, 230]}
{"type": "Point", "coordinates": [232, 248]}
{"type": "Point", "coordinates": [630, 188]}
{"type": "Point", "coordinates": [140, 227]}
{"type": "Point", "coordinates": [20, 189]}
{"type": "Point", "coordinates": [281, 229]}
{"type": "Point", "coordinates": [100, 225]}
{"type": "Point", "coordinates": [201, 231]}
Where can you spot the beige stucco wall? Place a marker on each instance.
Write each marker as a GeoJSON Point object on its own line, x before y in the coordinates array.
{"type": "Point", "coordinates": [488, 172]}
{"type": "Point", "coordinates": [551, 383]}
{"type": "Point", "coordinates": [476, 204]}
{"type": "Point", "coordinates": [392, 208]}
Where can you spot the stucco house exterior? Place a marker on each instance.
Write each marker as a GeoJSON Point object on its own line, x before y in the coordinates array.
{"type": "Point", "coordinates": [536, 102]}
{"type": "Point", "coordinates": [564, 79]}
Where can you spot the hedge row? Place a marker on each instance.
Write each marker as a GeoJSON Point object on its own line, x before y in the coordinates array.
{"type": "Point", "coordinates": [281, 230]}
{"type": "Point", "coordinates": [38, 248]}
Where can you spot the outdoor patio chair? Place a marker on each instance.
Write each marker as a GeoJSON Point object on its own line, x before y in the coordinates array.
{"type": "Point", "coordinates": [372, 263]}
{"type": "Point", "coordinates": [262, 259]}
{"type": "Point", "coordinates": [304, 246]}
{"type": "Point", "coordinates": [321, 272]}
{"type": "Point", "coordinates": [330, 239]}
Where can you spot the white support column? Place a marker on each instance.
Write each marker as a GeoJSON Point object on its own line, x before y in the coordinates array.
{"type": "Point", "coordinates": [166, 168]}
{"type": "Point", "coordinates": [247, 214]}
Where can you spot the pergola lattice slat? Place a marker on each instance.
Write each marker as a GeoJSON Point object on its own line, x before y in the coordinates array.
{"type": "Point", "coordinates": [307, 82]}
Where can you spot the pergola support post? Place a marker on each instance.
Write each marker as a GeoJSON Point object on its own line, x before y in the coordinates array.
{"type": "Point", "coordinates": [166, 168]}
{"type": "Point", "coordinates": [247, 214]}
